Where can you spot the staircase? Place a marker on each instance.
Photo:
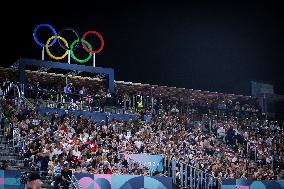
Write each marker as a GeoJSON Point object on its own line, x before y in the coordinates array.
{"type": "Point", "coordinates": [7, 89]}
{"type": "Point", "coordinates": [8, 151]}
{"type": "Point", "coordinates": [11, 155]}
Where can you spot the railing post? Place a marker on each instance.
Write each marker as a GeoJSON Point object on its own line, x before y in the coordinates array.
{"type": "Point", "coordinates": [169, 166]}
{"type": "Point", "coordinates": [165, 163]}
{"type": "Point", "coordinates": [190, 174]}
{"type": "Point", "coordinates": [14, 137]}
{"type": "Point", "coordinates": [72, 182]}
{"type": "Point", "coordinates": [185, 176]}
{"type": "Point", "coordinates": [194, 179]}
{"type": "Point", "coordinates": [205, 180]}
{"type": "Point", "coordinates": [181, 174]}
{"type": "Point", "coordinates": [174, 171]}
{"type": "Point", "coordinates": [201, 179]}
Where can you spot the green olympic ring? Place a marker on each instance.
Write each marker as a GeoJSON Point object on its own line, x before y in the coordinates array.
{"type": "Point", "coordinates": [73, 55]}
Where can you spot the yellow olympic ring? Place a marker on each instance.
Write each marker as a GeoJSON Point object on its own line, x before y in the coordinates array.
{"type": "Point", "coordinates": [49, 53]}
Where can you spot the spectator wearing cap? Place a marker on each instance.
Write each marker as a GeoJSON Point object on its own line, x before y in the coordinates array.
{"type": "Point", "coordinates": [34, 181]}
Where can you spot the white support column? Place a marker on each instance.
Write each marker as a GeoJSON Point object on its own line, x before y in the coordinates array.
{"type": "Point", "coordinates": [42, 53]}
{"type": "Point", "coordinates": [94, 59]}
{"type": "Point", "coordinates": [69, 58]}
{"type": "Point", "coordinates": [152, 104]}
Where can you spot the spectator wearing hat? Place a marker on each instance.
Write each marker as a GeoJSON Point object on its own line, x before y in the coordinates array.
{"type": "Point", "coordinates": [34, 181]}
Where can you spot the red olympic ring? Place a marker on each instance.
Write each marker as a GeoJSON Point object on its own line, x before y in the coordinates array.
{"type": "Point", "coordinates": [101, 38]}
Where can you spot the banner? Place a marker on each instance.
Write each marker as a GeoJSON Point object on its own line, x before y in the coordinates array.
{"type": "Point", "coordinates": [251, 184]}
{"type": "Point", "coordinates": [94, 181]}
{"type": "Point", "coordinates": [104, 181]}
{"type": "Point", "coordinates": [153, 162]}
{"type": "Point", "coordinates": [10, 179]}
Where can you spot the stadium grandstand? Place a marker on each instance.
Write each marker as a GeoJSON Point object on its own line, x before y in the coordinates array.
{"type": "Point", "coordinates": [142, 95]}
{"type": "Point", "coordinates": [60, 125]}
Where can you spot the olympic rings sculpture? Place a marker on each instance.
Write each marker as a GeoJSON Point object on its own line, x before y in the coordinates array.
{"type": "Point", "coordinates": [53, 39]}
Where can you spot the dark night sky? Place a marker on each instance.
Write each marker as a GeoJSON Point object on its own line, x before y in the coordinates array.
{"type": "Point", "coordinates": [208, 46]}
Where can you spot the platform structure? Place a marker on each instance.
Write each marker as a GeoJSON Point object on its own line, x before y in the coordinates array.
{"type": "Point", "coordinates": [23, 62]}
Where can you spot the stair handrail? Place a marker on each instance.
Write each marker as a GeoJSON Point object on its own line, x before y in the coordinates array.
{"type": "Point", "coordinates": [74, 182]}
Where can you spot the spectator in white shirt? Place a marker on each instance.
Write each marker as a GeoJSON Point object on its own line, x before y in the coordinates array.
{"type": "Point", "coordinates": [76, 152]}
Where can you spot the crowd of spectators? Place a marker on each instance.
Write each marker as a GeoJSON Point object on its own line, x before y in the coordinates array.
{"type": "Point", "coordinates": [237, 142]}
{"type": "Point", "coordinates": [69, 97]}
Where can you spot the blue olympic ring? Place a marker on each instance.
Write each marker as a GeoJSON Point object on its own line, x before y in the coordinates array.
{"type": "Point", "coordinates": [44, 25]}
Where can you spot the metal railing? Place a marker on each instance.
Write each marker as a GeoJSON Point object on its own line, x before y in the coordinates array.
{"type": "Point", "coordinates": [132, 162]}
{"type": "Point", "coordinates": [27, 103]}
{"type": "Point", "coordinates": [7, 89]}
{"type": "Point", "coordinates": [38, 103]}
{"type": "Point", "coordinates": [187, 176]}
{"type": "Point", "coordinates": [74, 182]}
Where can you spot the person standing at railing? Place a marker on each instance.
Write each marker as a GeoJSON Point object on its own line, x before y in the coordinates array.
{"type": "Point", "coordinates": [68, 90]}
{"type": "Point", "coordinates": [29, 89]}
{"type": "Point", "coordinates": [83, 97]}
{"type": "Point", "coordinates": [36, 91]}
{"type": "Point", "coordinates": [126, 101]}
{"type": "Point", "coordinates": [82, 93]}
{"type": "Point", "coordinates": [140, 107]}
